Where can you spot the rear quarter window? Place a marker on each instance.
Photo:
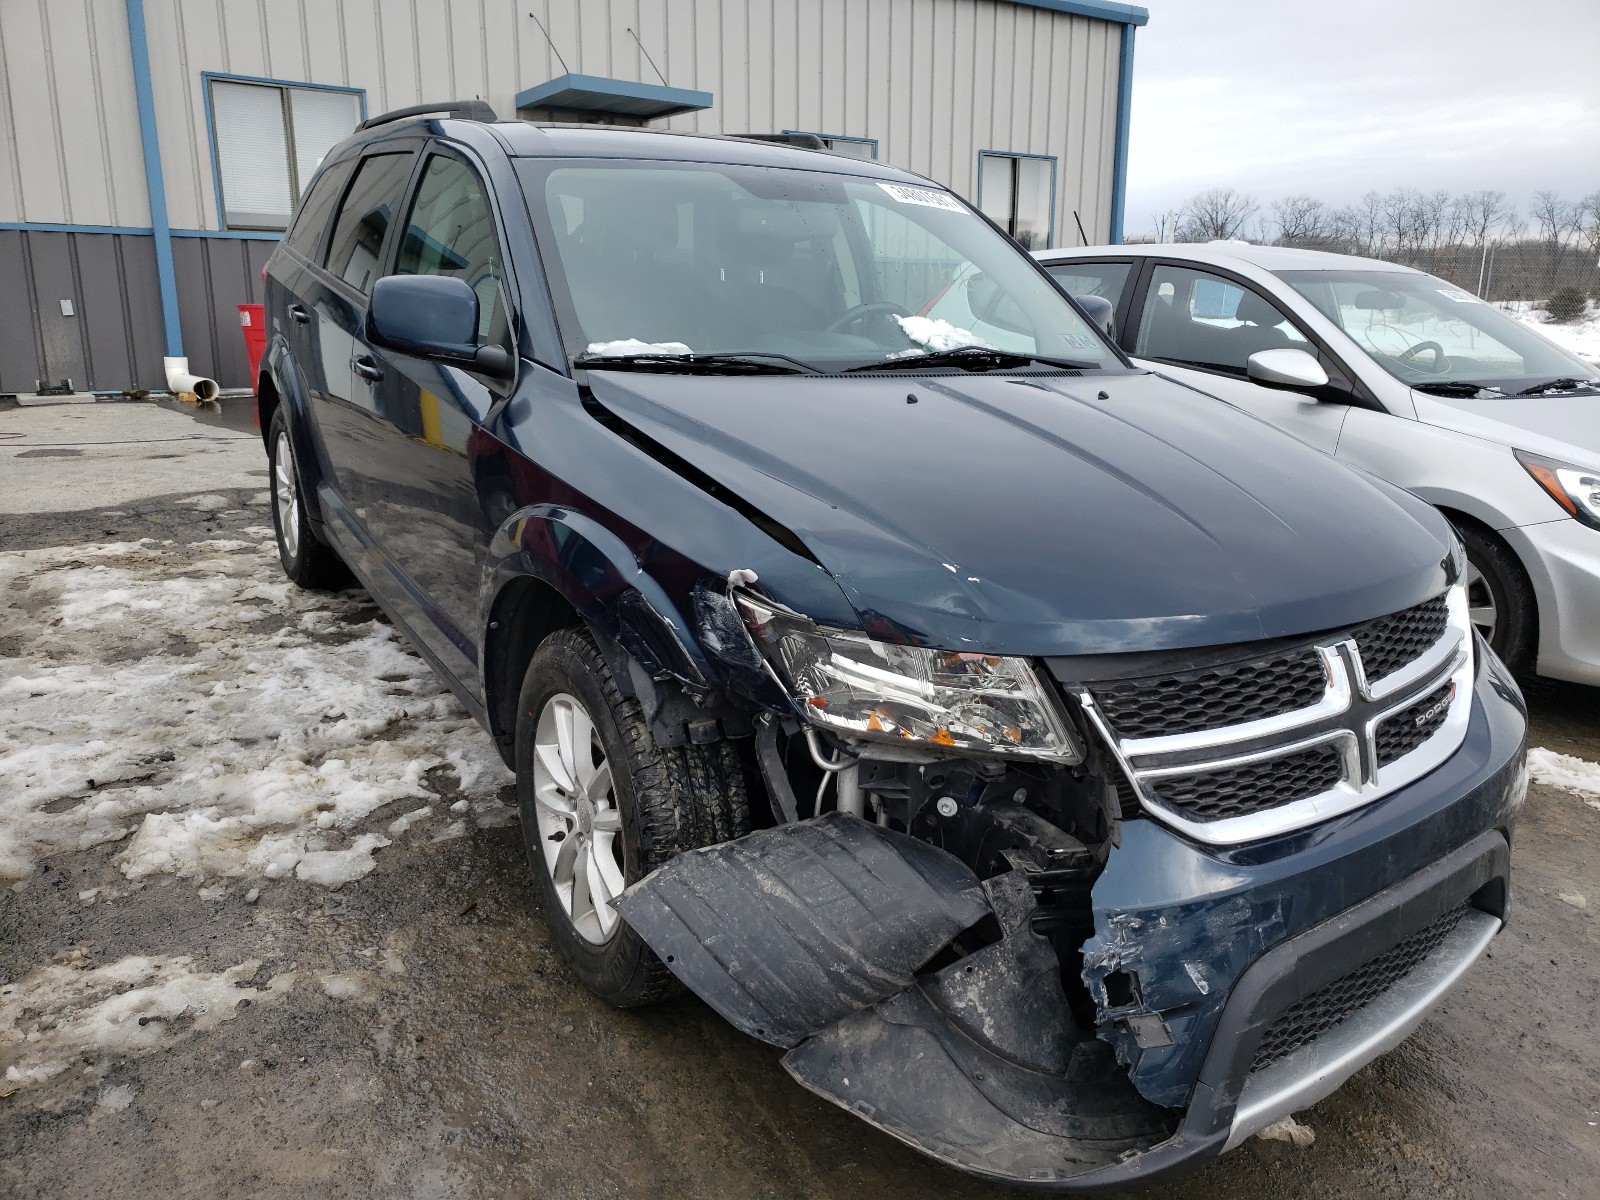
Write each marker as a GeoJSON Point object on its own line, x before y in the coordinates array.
{"type": "Point", "coordinates": [310, 226]}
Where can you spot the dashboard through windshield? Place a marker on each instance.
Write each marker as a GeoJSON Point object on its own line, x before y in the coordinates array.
{"type": "Point", "coordinates": [826, 271]}
{"type": "Point", "coordinates": [1427, 333]}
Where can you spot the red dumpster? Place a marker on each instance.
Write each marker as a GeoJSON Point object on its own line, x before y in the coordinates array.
{"type": "Point", "coordinates": [253, 320]}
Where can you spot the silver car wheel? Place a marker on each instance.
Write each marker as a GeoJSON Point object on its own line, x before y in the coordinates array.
{"type": "Point", "coordinates": [576, 811]}
{"type": "Point", "coordinates": [286, 495]}
{"type": "Point", "coordinates": [1481, 607]}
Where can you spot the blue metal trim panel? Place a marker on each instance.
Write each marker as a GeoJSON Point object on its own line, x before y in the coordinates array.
{"type": "Point", "coordinates": [55, 227]}
{"type": "Point", "coordinates": [155, 183]}
{"type": "Point", "coordinates": [1102, 10]}
{"type": "Point", "coordinates": [625, 96]}
{"type": "Point", "coordinates": [231, 235]}
{"type": "Point", "coordinates": [1119, 172]}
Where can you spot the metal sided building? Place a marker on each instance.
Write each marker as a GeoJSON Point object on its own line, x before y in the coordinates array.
{"type": "Point", "coordinates": [151, 150]}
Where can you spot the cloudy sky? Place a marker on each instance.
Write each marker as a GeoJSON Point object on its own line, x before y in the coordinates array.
{"type": "Point", "coordinates": [1276, 97]}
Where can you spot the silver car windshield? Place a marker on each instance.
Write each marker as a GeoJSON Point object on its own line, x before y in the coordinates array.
{"type": "Point", "coordinates": [1427, 332]}
{"type": "Point", "coordinates": [826, 270]}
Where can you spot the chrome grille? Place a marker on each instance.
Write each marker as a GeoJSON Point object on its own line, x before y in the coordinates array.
{"type": "Point", "coordinates": [1403, 733]}
{"type": "Point", "coordinates": [1204, 699]}
{"type": "Point", "coordinates": [1306, 1020]}
{"type": "Point", "coordinates": [1255, 787]}
{"type": "Point", "coordinates": [1389, 643]}
{"type": "Point", "coordinates": [1252, 748]}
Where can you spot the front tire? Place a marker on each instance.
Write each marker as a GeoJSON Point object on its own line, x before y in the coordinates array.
{"type": "Point", "coordinates": [603, 805]}
{"type": "Point", "coordinates": [307, 561]}
{"type": "Point", "coordinates": [1499, 598]}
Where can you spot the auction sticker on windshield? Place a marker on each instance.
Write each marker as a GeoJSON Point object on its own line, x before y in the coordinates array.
{"type": "Point", "coordinates": [1457, 295]}
{"type": "Point", "coordinates": [924, 196]}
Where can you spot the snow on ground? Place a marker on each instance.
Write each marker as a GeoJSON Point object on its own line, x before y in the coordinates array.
{"type": "Point", "coordinates": [229, 726]}
{"type": "Point", "coordinates": [1564, 771]}
{"type": "Point", "coordinates": [59, 1011]}
{"type": "Point", "coordinates": [1580, 337]}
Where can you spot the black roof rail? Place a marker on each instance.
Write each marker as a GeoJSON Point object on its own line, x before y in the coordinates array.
{"type": "Point", "coordinates": [801, 141]}
{"type": "Point", "coordinates": [462, 110]}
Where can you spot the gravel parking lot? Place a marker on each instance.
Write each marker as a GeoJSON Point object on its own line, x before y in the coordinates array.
{"type": "Point", "coordinates": [271, 933]}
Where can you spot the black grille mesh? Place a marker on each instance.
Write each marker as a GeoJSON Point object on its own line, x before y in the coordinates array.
{"type": "Point", "coordinates": [1401, 733]}
{"type": "Point", "coordinates": [1256, 787]}
{"type": "Point", "coordinates": [1213, 697]}
{"type": "Point", "coordinates": [1306, 1020]}
{"type": "Point", "coordinates": [1216, 696]}
{"type": "Point", "coordinates": [1389, 643]}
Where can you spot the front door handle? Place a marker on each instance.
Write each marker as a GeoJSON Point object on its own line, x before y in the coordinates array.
{"type": "Point", "coordinates": [367, 367]}
{"type": "Point", "coordinates": [299, 314]}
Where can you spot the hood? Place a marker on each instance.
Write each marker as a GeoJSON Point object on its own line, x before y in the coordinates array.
{"type": "Point", "coordinates": [1049, 514]}
{"type": "Point", "coordinates": [1564, 427]}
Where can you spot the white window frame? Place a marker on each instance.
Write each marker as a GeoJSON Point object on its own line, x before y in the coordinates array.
{"type": "Point", "coordinates": [297, 186]}
{"type": "Point", "coordinates": [1010, 225]}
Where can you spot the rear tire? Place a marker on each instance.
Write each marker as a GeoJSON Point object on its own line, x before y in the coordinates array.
{"type": "Point", "coordinates": [650, 804]}
{"type": "Point", "coordinates": [307, 561]}
{"type": "Point", "coordinates": [1500, 598]}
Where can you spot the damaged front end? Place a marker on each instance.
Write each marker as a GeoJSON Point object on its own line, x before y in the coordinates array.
{"type": "Point", "coordinates": [970, 923]}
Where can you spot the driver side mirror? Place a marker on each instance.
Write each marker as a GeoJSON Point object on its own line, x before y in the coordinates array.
{"type": "Point", "coordinates": [1287, 369]}
{"type": "Point", "coordinates": [1099, 310]}
{"type": "Point", "coordinates": [433, 316]}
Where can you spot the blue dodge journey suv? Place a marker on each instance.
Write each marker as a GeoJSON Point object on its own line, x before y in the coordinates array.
{"type": "Point", "coordinates": [1073, 774]}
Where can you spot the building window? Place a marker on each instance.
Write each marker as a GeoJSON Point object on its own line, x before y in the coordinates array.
{"type": "Point", "coordinates": [1018, 193]}
{"type": "Point", "coordinates": [266, 141]}
{"type": "Point", "coordinates": [854, 147]}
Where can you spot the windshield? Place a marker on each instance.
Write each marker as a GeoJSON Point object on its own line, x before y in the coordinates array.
{"type": "Point", "coordinates": [822, 270]}
{"type": "Point", "coordinates": [1424, 331]}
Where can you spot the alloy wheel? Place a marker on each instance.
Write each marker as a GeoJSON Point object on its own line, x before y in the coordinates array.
{"type": "Point", "coordinates": [1481, 607]}
{"type": "Point", "coordinates": [286, 495]}
{"type": "Point", "coordinates": [579, 824]}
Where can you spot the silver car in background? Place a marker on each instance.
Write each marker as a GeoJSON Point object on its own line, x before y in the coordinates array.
{"type": "Point", "coordinates": [1408, 377]}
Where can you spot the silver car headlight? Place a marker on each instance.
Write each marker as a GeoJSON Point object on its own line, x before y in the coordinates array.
{"type": "Point", "coordinates": [847, 682]}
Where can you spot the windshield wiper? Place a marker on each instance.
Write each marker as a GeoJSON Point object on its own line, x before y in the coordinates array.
{"type": "Point", "coordinates": [752, 362]}
{"type": "Point", "coordinates": [1453, 388]}
{"type": "Point", "coordinates": [971, 358]}
{"type": "Point", "coordinates": [1564, 384]}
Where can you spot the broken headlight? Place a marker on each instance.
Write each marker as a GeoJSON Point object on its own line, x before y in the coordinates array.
{"type": "Point", "coordinates": [849, 683]}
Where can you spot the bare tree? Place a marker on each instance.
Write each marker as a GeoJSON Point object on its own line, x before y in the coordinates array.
{"type": "Point", "coordinates": [1215, 215]}
{"type": "Point", "coordinates": [1301, 221]}
{"type": "Point", "coordinates": [1484, 214]}
{"type": "Point", "coordinates": [1554, 216]}
{"type": "Point", "coordinates": [1587, 214]}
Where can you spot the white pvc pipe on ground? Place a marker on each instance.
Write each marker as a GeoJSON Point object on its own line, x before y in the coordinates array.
{"type": "Point", "coordinates": [180, 382]}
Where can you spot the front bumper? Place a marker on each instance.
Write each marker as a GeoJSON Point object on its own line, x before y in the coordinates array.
{"type": "Point", "coordinates": [809, 935]}
{"type": "Point", "coordinates": [1563, 563]}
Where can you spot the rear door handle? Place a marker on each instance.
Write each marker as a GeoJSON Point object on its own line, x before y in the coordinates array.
{"type": "Point", "coordinates": [367, 368]}
{"type": "Point", "coordinates": [299, 314]}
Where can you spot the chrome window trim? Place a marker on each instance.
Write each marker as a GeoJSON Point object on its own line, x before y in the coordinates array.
{"type": "Point", "coordinates": [1339, 717]}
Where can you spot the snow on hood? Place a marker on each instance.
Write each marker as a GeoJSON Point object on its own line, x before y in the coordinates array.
{"type": "Point", "coordinates": [936, 334]}
{"type": "Point", "coordinates": [147, 700]}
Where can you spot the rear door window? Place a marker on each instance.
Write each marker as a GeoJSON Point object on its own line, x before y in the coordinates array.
{"type": "Point", "coordinates": [1104, 279]}
{"type": "Point", "coordinates": [311, 216]}
{"type": "Point", "coordinates": [369, 206]}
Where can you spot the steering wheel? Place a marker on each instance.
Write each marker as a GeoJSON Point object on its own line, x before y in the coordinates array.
{"type": "Point", "coordinates": [1409, 357]}
{"type": "Point", "coordinates": [861, 312]}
